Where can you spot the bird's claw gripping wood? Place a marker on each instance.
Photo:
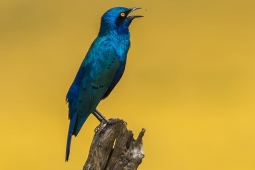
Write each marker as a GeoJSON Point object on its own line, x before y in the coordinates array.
{"type": "Point", "coordinates": [104, 124]}
{"type": "Point", "coordinates": [102, 119]}
{"type": "Point", "coordinates": [100, 116]}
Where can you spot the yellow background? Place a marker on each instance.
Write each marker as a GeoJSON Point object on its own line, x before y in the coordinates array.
{"type": "Point", "coordinates": [189, 81]}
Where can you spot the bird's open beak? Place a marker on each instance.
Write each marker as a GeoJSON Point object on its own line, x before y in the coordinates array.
{"type": "Point", "coordinates": [134, 16]}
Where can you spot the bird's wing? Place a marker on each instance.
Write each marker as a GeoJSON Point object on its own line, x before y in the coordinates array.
{"type": "Point", "coordinates": [73, 92]}
{"type": "Point", "coordinates": [116, 78]}
{"type": "Point", "coordinates": [99, 68]}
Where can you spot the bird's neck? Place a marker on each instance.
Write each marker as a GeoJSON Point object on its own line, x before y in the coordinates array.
{"type": "Point", "coordinates": [121, 41]}
{"type": "Point", "coordinates": [117, 32]}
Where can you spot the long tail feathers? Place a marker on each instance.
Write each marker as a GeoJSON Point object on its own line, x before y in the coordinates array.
{"type": "Point", "coordinates": [70, 133]}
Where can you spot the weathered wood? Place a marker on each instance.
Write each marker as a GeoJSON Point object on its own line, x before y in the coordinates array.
{"type": "Point", "coordinates": [114, 148]}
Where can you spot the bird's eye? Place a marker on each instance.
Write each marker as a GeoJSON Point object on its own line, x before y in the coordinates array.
{"type": "Point", "coordinates": [122, 14]}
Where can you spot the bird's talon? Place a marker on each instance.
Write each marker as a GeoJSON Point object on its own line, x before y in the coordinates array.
{"type": "Point", "coordinates": [96, 129]}
{"type": "Point", "coordinates": [100, 127]}
{"type": "Point", "coordinates": [106, 121]}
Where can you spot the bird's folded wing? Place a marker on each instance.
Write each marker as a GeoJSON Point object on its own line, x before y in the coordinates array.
{"type": "Point", "coordinates": [100, 68]}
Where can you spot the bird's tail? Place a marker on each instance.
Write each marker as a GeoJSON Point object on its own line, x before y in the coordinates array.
{"type": "Point", "coordinates": [70, 134]}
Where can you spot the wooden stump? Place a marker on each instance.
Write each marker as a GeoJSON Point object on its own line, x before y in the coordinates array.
{"type": "Point", "coordinates": [114, 148]}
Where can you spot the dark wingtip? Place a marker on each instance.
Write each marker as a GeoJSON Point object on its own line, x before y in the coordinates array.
{"type": "Point", "coordinates": [69, 136]}
{"type": "Point", "coordinates": [68, 148]}
{"type": "Point", "coordinates": [67, 157]}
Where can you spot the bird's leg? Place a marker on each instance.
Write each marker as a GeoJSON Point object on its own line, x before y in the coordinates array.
{"type": "Point", "coordinates": [104, 121]}
{"type": "Point", "coordinates": [100, 120]}
{"type": "Point", "coordinates": [97, 116]}
{"type": "Point", "coordinates": [100, 116]}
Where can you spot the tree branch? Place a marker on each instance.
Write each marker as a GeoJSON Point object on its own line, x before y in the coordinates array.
{"type": "Point", "coordinates": [114, 148]}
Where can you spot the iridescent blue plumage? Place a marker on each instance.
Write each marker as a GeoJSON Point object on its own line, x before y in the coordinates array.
{"type": "Point", "coordinates": [101, 69]}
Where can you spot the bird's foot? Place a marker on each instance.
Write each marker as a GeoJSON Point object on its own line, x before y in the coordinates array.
{"type": "Point", "coordinates": [100, 127]}
{"type": "Point", "coordinates": [113, 121]}
{"type": "Point", "coordinates": [102, 118]}
{"type": "Point", "coordinates": [104, 123]}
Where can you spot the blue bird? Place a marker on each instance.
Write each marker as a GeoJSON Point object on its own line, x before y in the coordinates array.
{"type": "Point", "coordinates": [101, 69]}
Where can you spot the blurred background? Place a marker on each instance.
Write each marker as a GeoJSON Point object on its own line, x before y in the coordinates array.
{"type": "Point", "coordinates": [189, 82]}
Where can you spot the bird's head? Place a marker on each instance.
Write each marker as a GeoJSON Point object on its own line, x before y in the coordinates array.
{"type": "Point", "coordinates": [117, 18]}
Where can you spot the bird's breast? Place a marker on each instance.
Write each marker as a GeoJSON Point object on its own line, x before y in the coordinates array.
{"type": "Point", "coordinates": [122, 48]}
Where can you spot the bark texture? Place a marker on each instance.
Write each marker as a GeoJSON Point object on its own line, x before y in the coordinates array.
{"type": "Point", "coordinates": [114, 148]}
